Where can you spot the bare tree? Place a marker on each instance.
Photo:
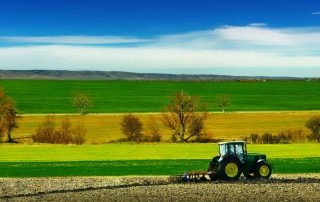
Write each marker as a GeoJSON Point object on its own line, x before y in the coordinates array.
{"type": "Point", "coordinates": [314, 125]}
{"type": "Point", "coordinates": [223, 102]}
{"type": "Point", "coordinates": [8, 116]}
{"type": "Point", "coordinates": [132, 127]}
{"type": "Point", "coordinates": [82, 102]}
{"type": "Point", "coordinates": [185, 116]}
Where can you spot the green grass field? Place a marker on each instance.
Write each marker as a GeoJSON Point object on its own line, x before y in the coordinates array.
{"type": "Point", "coordinates": [47, 96]}
{"type": "Point", "coordinates": [140, 159]}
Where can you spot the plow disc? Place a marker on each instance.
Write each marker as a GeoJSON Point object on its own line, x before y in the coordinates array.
{"type": "Point", "coordinates": [195, 176]}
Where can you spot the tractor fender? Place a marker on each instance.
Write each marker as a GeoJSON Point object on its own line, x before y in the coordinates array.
{"type": "Point", "coordinates": [261, 160]}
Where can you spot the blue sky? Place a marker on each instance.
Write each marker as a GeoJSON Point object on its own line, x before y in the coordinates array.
{"type": "Point", "coordinates": [252, 37]}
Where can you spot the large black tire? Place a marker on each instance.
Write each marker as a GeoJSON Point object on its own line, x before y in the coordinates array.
{"type": "Point", "coordinates": [263, 170]}
{"type": "Point", "coordinates": [230, 169]}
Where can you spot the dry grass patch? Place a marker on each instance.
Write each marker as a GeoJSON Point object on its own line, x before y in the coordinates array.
{"type": "Point", "coordinates": [106, 127]}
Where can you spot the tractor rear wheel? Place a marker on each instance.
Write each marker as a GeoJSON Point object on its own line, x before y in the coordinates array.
{"type": "Point", "coordinates": [230, 169]}
{"type": "Point", "coordinates": [263, 170]}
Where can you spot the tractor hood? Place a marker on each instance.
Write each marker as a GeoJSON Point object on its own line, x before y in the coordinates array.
{"type": "Point", "coordinates": [257, 156]}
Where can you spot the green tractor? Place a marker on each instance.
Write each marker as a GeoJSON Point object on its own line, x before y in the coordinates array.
{"type": "Point", "coordinates": [233, 160]}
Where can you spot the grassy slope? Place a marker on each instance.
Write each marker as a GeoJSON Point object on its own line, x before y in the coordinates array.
{"type": "Point", "coordinates": [36, 96]}
{"type": "Point", "coordinates": [142, 159]}
{"type": "Point", "coordinates": [104, 128]}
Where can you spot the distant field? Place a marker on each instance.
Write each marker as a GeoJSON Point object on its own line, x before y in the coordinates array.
{"type": "Point", "coordinates": [103, 128]}
{"type": "Point", "coordinates": [48, 96]}
{"type": "Point", "coordinates": [140, 159]}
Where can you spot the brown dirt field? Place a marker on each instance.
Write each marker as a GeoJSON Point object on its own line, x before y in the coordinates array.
{"type": "Point", "coordinates": [298, 187]}
{"type": "Point", "coordinates": [102, 128]}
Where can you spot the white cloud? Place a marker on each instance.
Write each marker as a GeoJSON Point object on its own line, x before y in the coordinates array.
{"type": "Point", "coordinates": [148, 58]}
{"type": "Point", "coordinates": [271, 51]}
{"type": "Point", "coordinates": [243, 36]}
{"type": "Point", "coordinates": [254, 35]}
{"type": "Point", "coordinates": [72, 39]}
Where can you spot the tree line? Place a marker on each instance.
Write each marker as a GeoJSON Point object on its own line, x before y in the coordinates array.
{"type": "Point", "coordinates": [185, 116]}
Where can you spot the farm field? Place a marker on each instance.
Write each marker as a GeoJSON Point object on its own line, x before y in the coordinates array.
{"type": "Point", "coordinates": [50, 96]}
{"type": "Point", "coordinates": [131, 159]}
{"type": "Point", "coordinates": [102, 128]}
{"type": "Point", "coordinates": [291, 187]}
{"type": "Point", "coordinates": [262, 107]}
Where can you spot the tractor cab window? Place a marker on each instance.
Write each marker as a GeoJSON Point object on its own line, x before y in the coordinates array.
{"type": "Point", "coordinates": [222, 149]}
{"type": "Point", "coordinates": [231, 149]}
{"type": "Point", "coordinates": [239, 149]}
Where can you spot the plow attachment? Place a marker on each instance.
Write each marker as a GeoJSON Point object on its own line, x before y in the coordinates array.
{"type": "Point", "coordinates": [195, 176]}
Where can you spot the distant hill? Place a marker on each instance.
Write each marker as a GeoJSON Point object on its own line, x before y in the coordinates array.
{"type": "Point", "coordinates": [117, 75]}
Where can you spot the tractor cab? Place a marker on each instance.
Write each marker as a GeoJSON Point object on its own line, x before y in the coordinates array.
{"type": "Point", "coordinates": [235, 148]}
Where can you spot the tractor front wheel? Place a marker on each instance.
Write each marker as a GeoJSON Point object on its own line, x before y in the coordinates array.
{"type": "Point", "coordinates": [263, 170]}
{"type": "Point", "coordinates": [230, 169]}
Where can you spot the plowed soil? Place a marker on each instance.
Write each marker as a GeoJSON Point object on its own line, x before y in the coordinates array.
{"type": "Point", "coordinates": [304, 187]}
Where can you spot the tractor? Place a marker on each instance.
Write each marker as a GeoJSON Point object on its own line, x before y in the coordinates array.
{"type": "Point", "coordinates": [233, 160]}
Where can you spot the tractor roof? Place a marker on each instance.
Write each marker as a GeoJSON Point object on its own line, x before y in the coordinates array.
{"type": "Point", "coordinates": [232, 142]}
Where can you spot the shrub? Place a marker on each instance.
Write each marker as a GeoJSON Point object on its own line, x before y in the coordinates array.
{"type": "Point", "coordinates": [79, 135]}
{"type": "Point", "coordinates": [292, 135]}
{"type": "Point", "coordinates": [205, 137]}
{"type": "Point", "coordinates": [254, 138]}
{"type": "Point", "coordinates": [45, 132]}
{"type": "Point", "coordinates": [245, 138]}
{"type": "Point", "coordinates": [284, 137]}
{"type": "Point", "coordinates": [48, 133]}
{"type": "Point", "coordinates": [63, 135]}
{"type": "Point", "coordinates": [314, 125]}
{"type": "Point", "coordinates": [154, 131]}
{"type": "Point", "coordinates": [132, 127]}
{"type": "Point", "coordinates": [267, 138]}
{"type": "Point", "coordinates": [297, 135]}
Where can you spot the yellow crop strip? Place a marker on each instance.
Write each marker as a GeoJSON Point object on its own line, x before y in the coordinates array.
{"type": "Point", "coordinates": [102, 128]}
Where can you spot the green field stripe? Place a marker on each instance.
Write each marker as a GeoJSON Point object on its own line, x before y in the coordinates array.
{"type": "Point", "coordinates": [127, 151]}
{"type": "Point", "coordinates": [139, 167]}
{"type": "Point", "coordinates": [54, 96]}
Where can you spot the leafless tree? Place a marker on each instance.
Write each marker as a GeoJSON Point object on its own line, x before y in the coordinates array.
{"type": "Point", "coordinates": [185, 116]}
{"type": "Point", "coordinates": [82, 102]}
{"type": "Point", "coordinates": [223, 102]}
